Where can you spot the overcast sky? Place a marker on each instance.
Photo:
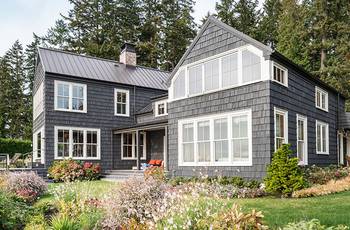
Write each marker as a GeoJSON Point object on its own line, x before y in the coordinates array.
{"type": "Point", "coordinates": [20, 18]}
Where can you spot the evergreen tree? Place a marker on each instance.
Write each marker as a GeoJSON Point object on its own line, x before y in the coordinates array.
{"type": "Point", "coordinates": [58, 36]}
{"type": "Point", "coordinates": [5, 86]}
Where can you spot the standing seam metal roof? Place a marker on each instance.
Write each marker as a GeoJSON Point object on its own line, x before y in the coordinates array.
{"type": "Point", "coordinates": [67, 63]}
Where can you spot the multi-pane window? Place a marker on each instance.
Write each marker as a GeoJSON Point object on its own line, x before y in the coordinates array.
{"type": "Point", "coordinates": [129, 146]}
{"type": "Point", "coordinates": [223, 139]}
{"type": "Point", "coordinates": [280, 75]}
{"type": "Point", "coordinates": [70, 96]}
{"type": "Point", "coordinates": [188, 142]}
{"type": "Point", "coordinates": [211, 75]}
{"type": "Point", "coordinates": [77, 143]}
{"type": "Point", "coordinates": [321, 99]}
{"type": "Point", "coordinates": [220, 140]}
{"type": "Point", "coordinates": [240, 139]}
{"type": "Point", "coordinates": [302, 139]}
{"type": "Point", "coordinates": [179, 85]}
{"type": "Point", "coordinates": [322, 137]}
{"type": "Point", "coordinates": [281, 128]}
{"type": "Point", "coordinates": [230, 70]}
{"type": "Point", "coordinates": [203, 137]}
{"type": "Point", "coordinates": [63, 143]}
{"type": "Point", "coordinates": [161, 108]}
{"type": "Point", "coordinates": [251, 67]}
{"type": "Point", "coordinates": [121, 102]}
{"type": "Point", "coordinates": [195, 79]}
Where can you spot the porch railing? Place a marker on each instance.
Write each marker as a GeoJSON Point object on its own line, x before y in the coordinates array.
{"type": "Point", "coordinates": [17, 161]}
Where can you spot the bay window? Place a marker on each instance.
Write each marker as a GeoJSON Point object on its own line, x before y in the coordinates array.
{"type": "Point", "coordinates": [222, 139]}
{"type": "Point", "coordinates": [77, 143]}
{"type": "Point", "coordinates": [70, 97]}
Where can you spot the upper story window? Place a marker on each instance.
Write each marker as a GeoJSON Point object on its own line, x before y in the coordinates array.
{"type": "Point", "coordinates": [234, 68]}
{"type": "Point", "coordinates": [281, 128]}
{"type": "Point", "coordinates": [121, 101]}
{"type": "Point", "coordinates": [322, 135]}
{"type": "Point", "coordinates": [70, 97]}
{"type": "Point", "coordinates": [38, 101]}
{"type": "Point", "coordinates": [280, 74]}
{"type": "Point", "coordinates": [161, 108]}
{"type": "Point", "coordinates": [216, 140]}
{"type": "Point", "coordinates": [321, 99]}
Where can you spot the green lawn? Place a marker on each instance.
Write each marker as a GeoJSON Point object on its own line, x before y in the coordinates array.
{"type": "Point", "coordinates": [330, 210]}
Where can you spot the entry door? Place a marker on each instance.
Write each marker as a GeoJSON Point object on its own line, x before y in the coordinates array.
{"type": "Point", "coordinates": [302, 139]}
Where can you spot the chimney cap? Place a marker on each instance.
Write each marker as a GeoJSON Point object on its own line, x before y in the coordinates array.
{"type": "Point", "coordinates": [127, 46]}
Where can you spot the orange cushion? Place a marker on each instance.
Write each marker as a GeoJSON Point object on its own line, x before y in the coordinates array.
{"type": "Point", "coordinates": [152, 162]}
{"type": "Point", "coordinates": [158, 162]}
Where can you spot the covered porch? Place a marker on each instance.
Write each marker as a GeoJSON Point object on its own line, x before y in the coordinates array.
{"type": "Point", "coordinates": [138, 144]}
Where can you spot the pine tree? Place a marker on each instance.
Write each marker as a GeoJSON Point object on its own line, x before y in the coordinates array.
{"type": "Point", "coordinates": [5, 86]}
{"type": "Point", "coordinates": [58, 36]}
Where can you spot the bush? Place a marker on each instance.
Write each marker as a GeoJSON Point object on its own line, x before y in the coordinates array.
{"type": "Point", "coordinates": [283, 174]}
{"type": "Point", "coordinates": [63, 222]}
{"type": "Point", "coordinates": [325, 189]}
{"type": "Point", "coordinates": [26, 185]}
{"type": "Point", "coordinates": [321, 175]}
{"type": "Point", "coordinates": [156, 173]}
{"type": "Point", "coordinates": [12, 146]}
{"type": "Point", "coordinates": [71, 170]}
{"type": "Point", "coordinates": [13, 212]}
{"type": "Point", "coordinates": [312, 225]}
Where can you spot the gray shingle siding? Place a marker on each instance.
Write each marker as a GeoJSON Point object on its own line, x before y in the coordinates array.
{"type": "Point", "coordinates": [256, 97]}
{"type": "Point", "coordinates": [39, 77]}
{"type": "Point", "coordinates": [100, 114]}
{"type": "Point", "coordinates": [299, 98]}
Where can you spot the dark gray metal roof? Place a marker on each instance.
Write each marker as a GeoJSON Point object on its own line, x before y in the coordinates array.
{"type": "Point", "coordinates": [67, 63]}
{"type": "Point", "coordinates": [147, 109]}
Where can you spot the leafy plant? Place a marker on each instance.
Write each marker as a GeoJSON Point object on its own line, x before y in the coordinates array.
{"type": "Point", "coordinates": [283, 174]}
{"type": "Point", "coordinates": [91, 171]}
{"type": "Point", "coordinates": [313, 224]}
{"type": "Point", "coordinates": [156, 173]}
{"type": "Point", "coordinates": [27, 185]}
{"type": "Point", "coordinates": [321, 175]}
{"type": "Point", "coordinates": [63, 222]}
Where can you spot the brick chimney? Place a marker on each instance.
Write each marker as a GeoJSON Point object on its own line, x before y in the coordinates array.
{"type": "Point", "coordinates": [128, 54]}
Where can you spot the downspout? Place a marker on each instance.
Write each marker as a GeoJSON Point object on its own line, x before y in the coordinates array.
{"type": "Point", "coordinates": [134, 108]}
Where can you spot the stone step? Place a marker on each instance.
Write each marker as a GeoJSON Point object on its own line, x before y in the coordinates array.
{"type": "Point", "coordinates": [124, 172]}
{"type": "Point", "coordinates": [121, 175]}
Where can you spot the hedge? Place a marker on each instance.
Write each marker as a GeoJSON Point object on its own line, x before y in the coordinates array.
{"type": "Point", "coordinates": [12, 146]}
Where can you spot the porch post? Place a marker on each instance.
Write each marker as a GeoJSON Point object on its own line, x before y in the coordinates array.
{"type": "Point", "coordinates": [137, 150]}
{"type": "Point", "coordinates": [165, 147]}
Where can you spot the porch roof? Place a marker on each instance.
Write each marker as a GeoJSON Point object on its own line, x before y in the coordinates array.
{"type": "Point", "coordinates": [142, 126]}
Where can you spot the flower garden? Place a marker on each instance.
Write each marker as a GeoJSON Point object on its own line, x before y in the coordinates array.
{"type": "Point", "coordinates": [295, 199]}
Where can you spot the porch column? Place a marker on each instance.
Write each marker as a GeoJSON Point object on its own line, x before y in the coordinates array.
{"type": "Point", "coordinates": [137, 150]}
{"type": "Point", "coordinates": [165, 147]}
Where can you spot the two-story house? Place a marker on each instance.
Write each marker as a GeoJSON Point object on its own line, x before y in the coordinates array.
{"type": "Point", "coordinates": [228, 105]}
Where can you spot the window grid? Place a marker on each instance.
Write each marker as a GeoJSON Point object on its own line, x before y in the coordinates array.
{"type": "Point", "coordinates": [70, 97]}
{"type": "Point", "coordinates": [281, 128]}
{"type": "Point", "coordinates": [321, 99]}
{"type": "Point", "coordinates": [322, 135]}
{"type": "Point", "coordinates": [128, 145]}
{"type": "Point", "coordinates": [121, 102]}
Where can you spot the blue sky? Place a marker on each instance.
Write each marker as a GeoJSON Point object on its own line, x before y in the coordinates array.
{"type": "Point", "coordinates": [20, 18]}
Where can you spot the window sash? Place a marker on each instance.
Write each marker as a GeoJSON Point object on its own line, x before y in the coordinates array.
{"type": "Point", "coordinates": [321, 99]}
{"type": "Point", "coordinates": [67, 100]}
{"type": "Point", "coordinates": [302, 150]}
{"type": "Point", "coordinates": [280, 74]}
{"type": "Point", "coordinates": [199, 145]}
{"type": "Point", "coordinates": [322, 135]}
{"type": "Point", "coordinates": [130, 146]}
{"type": "Point", "coordinates": [281, 128]}
{"type": "Point", "coordinates": [121, 102]}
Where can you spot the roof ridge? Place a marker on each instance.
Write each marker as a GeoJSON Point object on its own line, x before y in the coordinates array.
{"type": "Point", "coordinates": [98, 58]}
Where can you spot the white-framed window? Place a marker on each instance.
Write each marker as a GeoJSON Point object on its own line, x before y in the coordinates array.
{"type": "Point", "coordinates": [302, 141]}
{"type": "Point", "coordinates": [71, 97]}
{"type": "Point", "coordinates": [77, 143]}
{"type": "Point", "coordinates": [321, 99]}
{"type": "Point", "coordinates": [128, 146]}
{"type": "Point", "coordinates": [280, 74]}
{"type": "Point", "coordinates": [216, 140]}
{"type": "Point", "coordinates": [39, 145]}
{"type": "Point", "coordinates": [161, 108]}
{"type": "Point", "coordinates": [121, 102]}
{"type": "Point", "coordinates": [233, 68]}
{"type": "Point", "coordinates": [38, 101]}
{"type": "Point", "coordinates": [322, 138]}
{"type": "Point", "coordinates": [281, 127]}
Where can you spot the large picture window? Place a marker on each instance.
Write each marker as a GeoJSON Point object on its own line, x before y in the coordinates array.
{"type": "Point", "coordinates": [281, 128]}
{"type": "Point", "coordinates": [322, 136]}
{"type": "Point", "coordinates": [77, 143]}
{"type": "Point", "coordinates": [121, 101]}
{"type": "Point", "coordinates": [128, 141]}
{"type": "Point", "coordinates": [222, 139]}
{"type": "Point", "coordinates": [70, 97]}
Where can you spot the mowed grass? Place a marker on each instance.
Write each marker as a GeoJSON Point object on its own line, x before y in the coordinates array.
{"type": "Point", "coordinates": [330, 210]}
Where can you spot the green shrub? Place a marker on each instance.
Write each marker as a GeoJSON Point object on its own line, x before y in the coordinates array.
{"type": "Point", "coordinates": [71, 170]}
{"type": "Point", "coordinates": [321, 175]}
{"type": "Point", "coordinates": [63, 222]}
{"type": "Point", "coordinates": [283, 174]}
{"type": "Point", "coordinates": [313, 224]}
{"type": "Point", "coordinates": [13, 212]}
{"type": "Point", "coordinates": [12, 146]}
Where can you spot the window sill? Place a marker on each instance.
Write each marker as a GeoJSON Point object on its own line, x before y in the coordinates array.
{"type": "Point", "coordinates": [132, 159]}
{"type": "Point", "coordinates": [285, 85]}
{"type": "Point", "coordinates": [78, 158]}
{"type": "Point", "coordinates": [322, 153]}
{"type": "Point", "coordinates": [121, 115]}
{"type": "Point", "coordinates": [216, 164]}
{"type": "Point", "coordinates": [70, 110]}
{"type": "Point", "coordinates": [325, 110]}
{"type": "Point", "coordinates": [161, 115]}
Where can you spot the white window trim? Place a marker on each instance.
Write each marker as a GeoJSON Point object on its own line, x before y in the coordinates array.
{"type": "Point", "coordinates": [285, 120]}
{"type": "Point", "coordinates": [71, 84]}
{"type": "Point", "coordinates": [285, 72]}
{"type": "Point", "coordinates": [98, 155]}
{"type": "Point", "coordinates": [265, 72]}
{"type": "Point", "coordinates": [127, 109]}
{"type": "Point", "coordinates": [211, 119]}
{"type": "Point", "coordinates": [144, 150]}
{"type": "Point", "coordinates": [327, 137]}
{"type": "Point", "coordinates": [165, 108]}
{"type": "Point", "coordinates": [306, 153]}
{"type": "Point", "coordinates": [326, 103]}
{"type": "Point", "coordinates": [35, 153]}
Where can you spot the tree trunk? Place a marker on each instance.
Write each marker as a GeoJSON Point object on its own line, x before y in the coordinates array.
{"type": "Point", "coordinates": [323, 52]}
